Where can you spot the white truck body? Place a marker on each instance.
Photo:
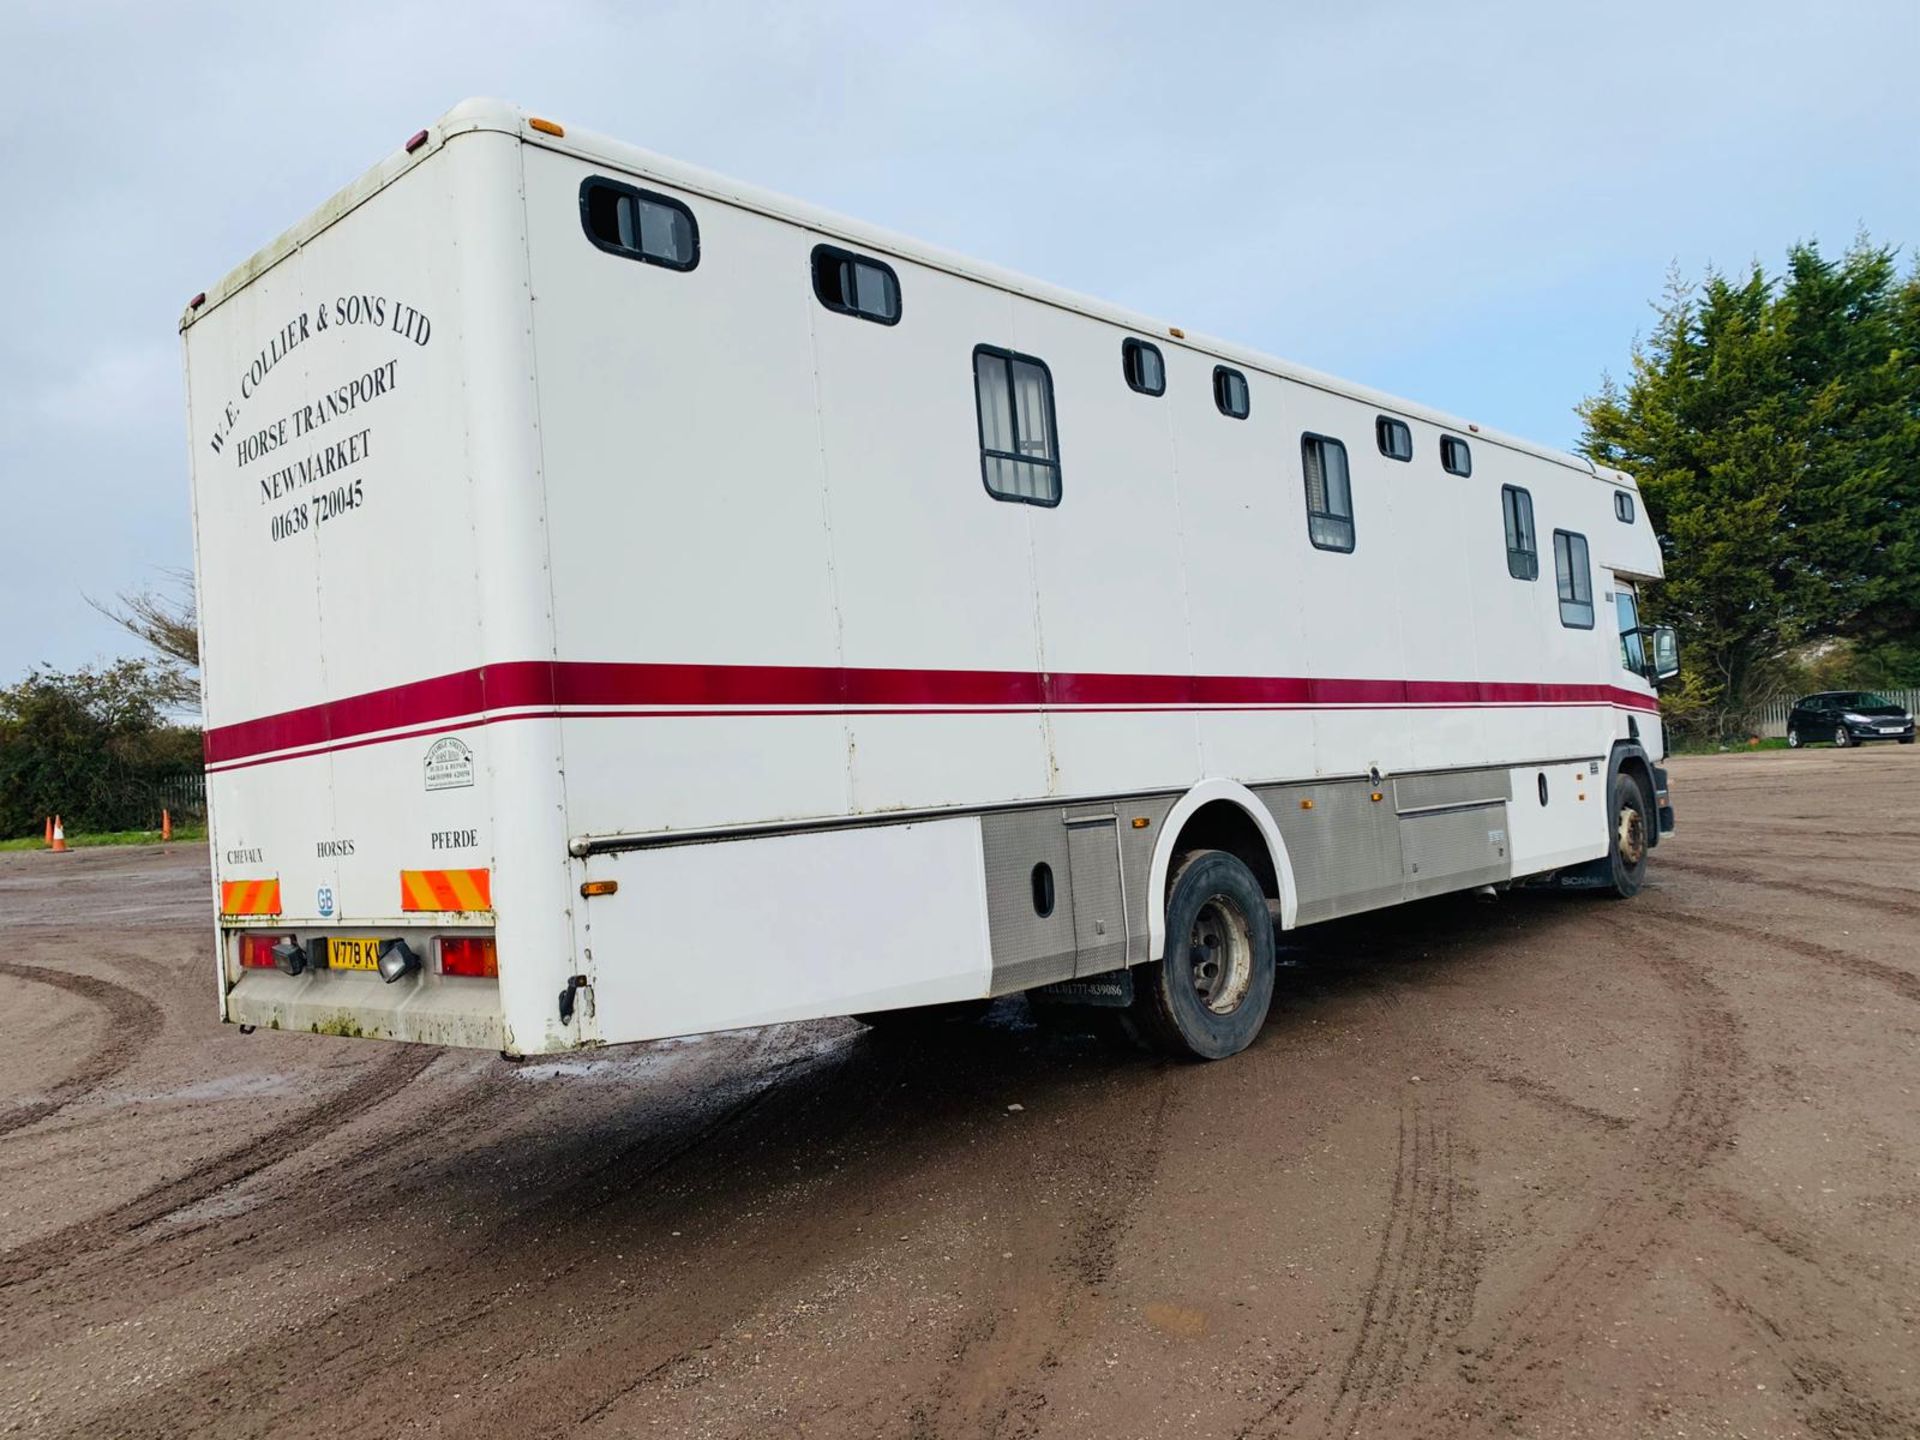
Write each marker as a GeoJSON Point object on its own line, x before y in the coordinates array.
{"type": "Point", "coordinates": [526, 565]}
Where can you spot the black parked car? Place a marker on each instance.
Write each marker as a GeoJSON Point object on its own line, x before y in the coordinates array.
{"type": "Point", "coordinates": [1847, 717]}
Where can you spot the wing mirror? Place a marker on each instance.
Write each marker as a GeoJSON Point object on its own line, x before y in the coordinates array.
{"type": "Point", "coordinates": [1666, 653]}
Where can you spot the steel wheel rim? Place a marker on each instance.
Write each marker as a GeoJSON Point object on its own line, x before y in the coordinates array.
{"type": "Point", "coordinates": [1840, 736]}
{"type": "Point", "coordinates": [1630, 832]}
{"type": "Point", "coordinates": [1220, 953]}
{"type": "Point", "coordinates": [1793, 739]}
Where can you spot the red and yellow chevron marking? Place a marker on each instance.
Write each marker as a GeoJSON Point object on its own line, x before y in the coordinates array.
{"type": "Point", "coordinates": [250, 897]}
{"type": "Point", "coordinates": [446, 890]}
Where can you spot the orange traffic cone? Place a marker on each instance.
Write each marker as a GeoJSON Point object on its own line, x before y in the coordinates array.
{"type": "Point", "coordinates": [166, 826]}
{"type": "Point", "coordinates": [49, 841]}
{"type": "Point", "coordinates": [59, 836]}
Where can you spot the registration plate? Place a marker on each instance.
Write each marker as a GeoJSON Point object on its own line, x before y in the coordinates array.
{"type": "Point", "coordinates": [353, 952]}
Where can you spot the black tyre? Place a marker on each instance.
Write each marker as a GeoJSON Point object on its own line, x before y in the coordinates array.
{"type": "Point", "coordinates": [1208, 996]}
{"type": "Point", "coordinates": [1906, 739]}
{"type": "Point", "coordinates": [1630, 837]}
{"type": "Point", "coordinates": [1793, 739]}
{"type": "Point", "coordinates": [1842, 737]}
{"type": "Point", "coordinates": [920, 1019]}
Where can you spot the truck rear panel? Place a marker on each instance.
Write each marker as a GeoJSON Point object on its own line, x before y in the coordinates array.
{"type": "Point", "coordinates": [338, 387]}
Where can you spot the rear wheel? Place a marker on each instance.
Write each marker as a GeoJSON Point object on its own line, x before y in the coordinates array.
{"type": "Point", "coordinates": [1208, 996]}
{"type": "Point", "coordinates": [1627, 846]}
{"type": "Point", "coordinates": [1906, 739]}
{"type": "Point", "coordinates": [1842, 737]}
{"type": "Point", "coordinates": [1793, 739]}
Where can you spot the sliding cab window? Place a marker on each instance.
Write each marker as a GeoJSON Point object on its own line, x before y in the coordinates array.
{"type": "Point", "coordinates": [1575, 579]}
{"type": "Point", "coordinates": [1523, 551]}
{"type": "Point", "coordinates": [1455, 457]}
{"type": "Point", "coordinates": [1633, 646]}
{"type": "Point", "coordinates": [1623, 507]}
{"type": "Point", "coordinates": [1329, 493]}
{"type": "Point", "coordinates": [1394, 438]}
{"type": "Point", "coordinates": [856, 285]}
{"type": "Point", "coordinates": [1230, 393]}
{"type": "Point", "coordinates": [1019, 453]}
{"type": "Point", "coordinates": [1144, 369]}
{"type": "Point", "coordinates": [639, 224]}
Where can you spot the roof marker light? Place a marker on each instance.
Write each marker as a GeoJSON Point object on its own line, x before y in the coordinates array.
{"type": "Point", "coordinates": [546, 127]}
{"type": "Point", "coordinates": [197, 301]}
{"type": "Point", "coordinates": [416, 142]}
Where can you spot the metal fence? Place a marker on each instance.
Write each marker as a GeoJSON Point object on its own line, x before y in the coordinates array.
{"type": "Point", "coordinates": [183, 795]}
{"type": "Point", "coordinates": [1773, 718]}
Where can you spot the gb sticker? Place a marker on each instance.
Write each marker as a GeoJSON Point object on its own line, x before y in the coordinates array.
{"type": "Point", "coordinates": [323, 901]}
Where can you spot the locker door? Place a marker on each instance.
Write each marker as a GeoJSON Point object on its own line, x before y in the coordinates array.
{"type": "Point", "coordinates": [1099, 895]}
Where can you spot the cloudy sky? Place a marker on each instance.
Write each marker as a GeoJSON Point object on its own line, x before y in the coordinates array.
{"type": "Point", "coordinates": [1470, 205]}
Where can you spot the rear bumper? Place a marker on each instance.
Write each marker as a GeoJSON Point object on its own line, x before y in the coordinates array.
{"type": "Point", "coordinates": [463, 1012]}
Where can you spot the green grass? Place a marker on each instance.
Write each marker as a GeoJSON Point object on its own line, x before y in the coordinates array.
{"type": "Point", "coordinates": [1705, 747]}
{"type": "Point", "coordinates": [109, 837]}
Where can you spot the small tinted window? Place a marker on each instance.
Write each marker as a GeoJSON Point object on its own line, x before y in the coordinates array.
{"type": "Point", "coordinates": [1329, 493]}
{"type": "Point", "coordinates": [1575, 579]}
{"type": "Point", "coordinates": [1145, 370]}
{"type": "Point", "coordinates": [1455, 457]}
{"type": "Point", "coordinates": [1394, 438]}
{"type": "Point", "coordinates": [1633, 647]}
{"type": "Point", "coordinates": [1019, 458]}
{"type": "Point", "coordinates": [856, 284]}
{"type": "Point", "coordinates": [639, 224]}
{"type": "Point", "coordinates": [1230, 392]}
{"type": "Point", "coordinates": [1523, 552]}
{"type": "Point", "coordinates": [1623, 507]}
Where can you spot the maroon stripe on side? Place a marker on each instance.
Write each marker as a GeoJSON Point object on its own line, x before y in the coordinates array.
{"type": "Point", "coordinates": [554, 687]}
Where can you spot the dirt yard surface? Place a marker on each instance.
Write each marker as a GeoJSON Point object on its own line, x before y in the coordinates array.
{"type": "Point", "coordinates": [1541, 1166]}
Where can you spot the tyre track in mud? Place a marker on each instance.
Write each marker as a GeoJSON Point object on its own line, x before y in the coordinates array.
{"type": "Point", "coordinates": [1426, 1268]}
{"type": "Point", "coordinates": [1887, 897]}
{"type": "Point", "coordinates": [531, 1248]}
{"type": "Point", "coordinates": [1519, 1363]}
{"type": "Point", "coordinates": [376, 1086]}
{"type": "Point", "coordinates": [1423, 1279]}
{"type": "Point", "coordinates": [131, 1022]}
{"type": "Point", "coordinates": [602, 1376]}
{"type": "Point", "coordinates": [1904, 983]}
{"type": "Point", "coordinates": [158, 1256]}
{"type": "Point", "coordinates": [1021, 1323]}
{"type": "Point", "coordinates": [1831, 1401]}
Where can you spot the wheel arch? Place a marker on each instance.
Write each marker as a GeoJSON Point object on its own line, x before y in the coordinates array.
{"type": "Point", "coordinates": [1630, 758]}
{"type": "Point", "coordinates": [1194, 815]}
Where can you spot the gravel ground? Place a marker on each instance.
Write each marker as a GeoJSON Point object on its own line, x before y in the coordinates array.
{"type": "Point", "coordinates": [1542, 1166]}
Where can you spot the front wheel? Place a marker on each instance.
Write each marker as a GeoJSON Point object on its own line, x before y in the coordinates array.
{"type": "Point", "coordinates": [1842, 737]}
{"type": "Point", "coordinates": [1906, 739]}
{"type": "Point", "coordinates": [1208, 996]}
{"type": "Point", "coordinates": [1627, 845]}
{"type": "Point", "coordinates": [1793, 739]}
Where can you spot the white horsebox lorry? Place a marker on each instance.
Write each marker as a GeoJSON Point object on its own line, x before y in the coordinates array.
{"type": "Point", "coordinates": [634, 604]}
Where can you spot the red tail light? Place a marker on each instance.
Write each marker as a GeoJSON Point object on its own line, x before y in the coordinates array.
{"type": "Point", "coordinates": [468, 955]}
{"type": "Point", "coordinates": [256, 951]}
